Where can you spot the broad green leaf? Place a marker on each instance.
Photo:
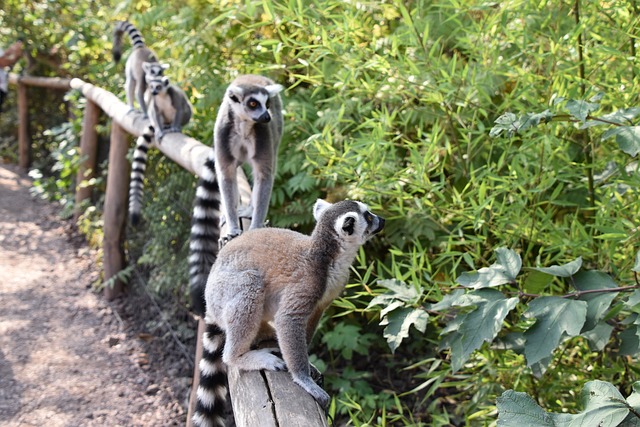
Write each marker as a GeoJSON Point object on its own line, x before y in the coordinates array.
{"type": "Point", "coordinates": [621, 117]}
{"type": "Point", "coordinates": [598, 336]}
{"type": "Point", "coordinates": [597, 303]}
{"type": "Point", "coordinates": [627, 137]}
{"type": "Point", "coordinates": [633, 300]}
{"type": "Point", "coordinates": [603, 404]}
{"type": "Point", "coordinates": [554, 316]}
{"type": "Point", "coordinates": [510, 124]}
{"type": "Point", "coordinates": [581, 109]}
{"type": "Point", "coordinates": [505, 270]}
{"type": "Point", "coordinates": [400, 290]}
{"type": "Point", "coordinates": [536, 282]}
{"type": "Point", "coordinates": [634, 397]}
{"type": "Point", "coordinates": [565, 270]}
{"type": "Point", "coordinates": [630, 337]}
{"type": "Point", "coordinates": [518, 409]}
{"type": "Point", "coordinates": [479, 325]}
{"type": "Point", "coordinates": [448, 300]}
{"type": "Point", "coordinates": [636, 266]}
{"type": "Point", "coordinates": [398, 323]}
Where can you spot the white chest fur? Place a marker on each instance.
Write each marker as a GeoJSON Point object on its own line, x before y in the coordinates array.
{"type": "Point", "coordinates": [163, 104]}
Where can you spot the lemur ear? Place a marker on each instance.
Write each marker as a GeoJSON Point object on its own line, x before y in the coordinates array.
{"type": "Point", "coordinates": [349, 225]}
{"type": "Point", "coordinates": [164, 66]}
{"type": "Point", "coordinates": [235, 93]}
{"type": "Point", "coordinates": [165, 81]}
{"type": "Point", "coordinates": [146, 66]}
{"type": "Point", "coordinates": [319, 208]}
{"type": "Point", "coordinates": [274, 89]}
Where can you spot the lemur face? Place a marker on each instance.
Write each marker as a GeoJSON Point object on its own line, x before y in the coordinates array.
{"type": "Point", "coordinates": [352, 220]}
{"type": "Point", "coordinates": [252, 102]}
{"type": "Point", "coordinates": [153, 70]}
{"type": "Point", "coordinates": [158, 85]}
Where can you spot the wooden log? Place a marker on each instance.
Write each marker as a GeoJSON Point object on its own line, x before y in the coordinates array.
{"type": "Point", "coordinates": [24, 138]}
{"type": "Point", "coordinates": [115, 210]}
{"type": "Point", "coordinates": [48, 82]}
{"type": "Point", "coordinates": [89, 153]}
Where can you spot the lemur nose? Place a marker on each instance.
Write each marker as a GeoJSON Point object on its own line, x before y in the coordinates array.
{"type": "Point", "coordinates": [264, 118]}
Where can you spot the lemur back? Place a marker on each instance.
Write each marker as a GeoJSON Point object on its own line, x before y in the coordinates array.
{"type": "Point", "coordinates": [274, 283]}
{"type": "Point", "coordinates": [248, 129]}
{"type": "Point", "coordinates": [141, 64]}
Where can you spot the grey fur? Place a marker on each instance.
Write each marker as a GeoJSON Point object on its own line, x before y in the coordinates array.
{"type": "Point", "coordinates": [169, 107]}
{"type": "Point", "coordinates": [275, 283]}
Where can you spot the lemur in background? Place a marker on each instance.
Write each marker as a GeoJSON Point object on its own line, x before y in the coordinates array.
{"type": "Point", "coordinates": [275, 283]}
{"type": "Point", "coordinates": [169, 110]}
{"type": "Point", "coordinates": [248, 129]}
{"type": "Point", "coordinates": [141, 65]}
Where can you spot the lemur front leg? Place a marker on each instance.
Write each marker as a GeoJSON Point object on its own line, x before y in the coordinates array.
{"type": "Point", "coordinates": [290, 330]}
{"type": "Point", "coordinates": [229, 192]}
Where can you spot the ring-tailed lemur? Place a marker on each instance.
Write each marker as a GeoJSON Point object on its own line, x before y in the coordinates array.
{"type": "Point", "coordinates": [248, 129]}
{"type": "Point", "coordinates": [141, 64]}
{"type": "Point", "coordinates": [169, 110]}
{"type": "Point", "coordinates": [275, 283]}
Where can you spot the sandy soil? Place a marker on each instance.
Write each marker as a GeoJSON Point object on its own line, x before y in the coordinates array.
{"type": "Point", "coordinates": [67, 356]}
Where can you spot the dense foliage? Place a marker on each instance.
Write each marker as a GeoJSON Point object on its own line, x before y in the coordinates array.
{"type": "Point", "coordinates": [497, 138]}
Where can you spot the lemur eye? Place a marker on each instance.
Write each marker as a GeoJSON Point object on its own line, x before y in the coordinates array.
{"type": "Point", "coordinates": [268, 103]}
{"type": "Point", "coordinates": [368, 217]}
{"type": "Point", "coordinates": [252, 104]}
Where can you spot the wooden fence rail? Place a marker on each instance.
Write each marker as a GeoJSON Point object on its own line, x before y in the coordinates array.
{"type": "Point", "coordinates": [265, 400]}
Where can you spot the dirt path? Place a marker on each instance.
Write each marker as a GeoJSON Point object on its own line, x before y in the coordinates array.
{"type": "Point", "coordinates": [67, 357]}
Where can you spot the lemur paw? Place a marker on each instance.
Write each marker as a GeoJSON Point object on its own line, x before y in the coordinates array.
{"type": "Point", "coordinates": [270, 361]}
{"type": "Point", "coordinates": [316, 375]}
{"type": "Point", "coordinates": [173, 129]}
{"type": "Point", "coordinates": [158, 136]}
{"type": "Point", "coordinates": [226, 239]}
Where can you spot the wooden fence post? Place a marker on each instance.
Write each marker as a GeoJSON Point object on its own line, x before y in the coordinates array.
{"type": "Point", "coordinates": [115, 209]}
{"type": "Point", "coordinates": [24, 139]}
{"type": "Point", "coordinates": [88, 151]}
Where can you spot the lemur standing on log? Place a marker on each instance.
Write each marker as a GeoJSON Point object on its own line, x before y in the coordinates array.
{"type": "Point", "coordinates": [248, 129]}
{"type": "Point", "coordinates": [169, 110]}
{"type": "Point", "coordinates": [273, 283]}
{"type": "Point", "coordinates": [141, 65]}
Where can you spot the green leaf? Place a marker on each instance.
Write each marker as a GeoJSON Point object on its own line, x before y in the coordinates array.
{"type": "Point", "coordinates": [581, 109]}
{"type": "Point", "coordinates": [630, 338]}
{"type": "Point", "coordinates": [565, 270]}
{"type": "Point", "coordinates": [633, 300]}
{"type": "Point", "coordinates": [482, 324]}
{"type": "Point", "coordinates": [398, 323]}
{"type": "Point", "coordinates": [604, 406]}
{"type": "Point", "coordinates": [598, 336]}
{"type": "Point", "coordinates": [505, 270]}
{"type": "Point", "coordinates": [627, 137]}
{"type": "Point", "coordinates": [621, 117]}
{"type": "Point", "coordinates": [555, 317]}
{"type": "Point", "coordinates": [518, 409]}
{"type": "Point", "coordinates": [510, 124]}
{"type": "Point", "coordinates": [636, 266]}
{"type": "Point", "coordinates": [597, 303]}
{"type": "Point", "coordinates": [400, 290]}
{"type": "Point", "coordinates": [536, 282]}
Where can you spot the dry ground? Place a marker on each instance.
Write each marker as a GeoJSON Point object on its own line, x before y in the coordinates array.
{"type": "Point", "coordinates": [68, 357]}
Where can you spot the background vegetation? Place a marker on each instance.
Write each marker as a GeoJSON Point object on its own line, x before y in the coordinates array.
{"type": "Point", "coordinates": [393, 103]}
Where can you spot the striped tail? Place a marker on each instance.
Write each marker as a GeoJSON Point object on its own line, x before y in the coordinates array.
{"type": "Point", "coordinates": [134, 35]}
{"type": "Point", "coordinates": [205, 232]}
{"type": "Point", "coordinates": [138, 166]}
{"type": "Point", "coordinates": [212, 391]}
